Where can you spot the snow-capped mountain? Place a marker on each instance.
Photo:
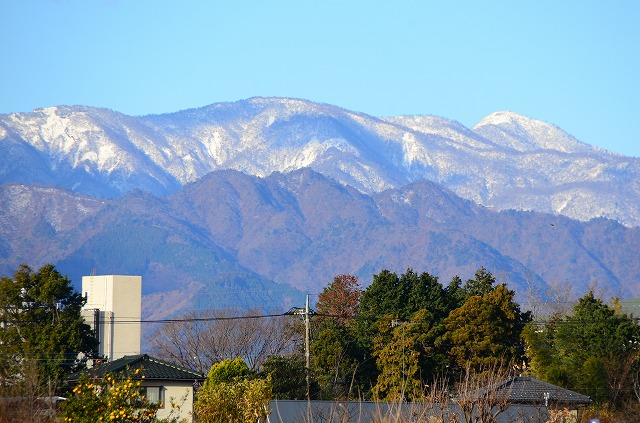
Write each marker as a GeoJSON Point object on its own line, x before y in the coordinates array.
{"type": "Point", "coordinates": [506, 161]}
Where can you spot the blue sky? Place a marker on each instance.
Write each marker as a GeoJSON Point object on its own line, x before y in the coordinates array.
{"type": "Point", "coordinates": [575, 64]}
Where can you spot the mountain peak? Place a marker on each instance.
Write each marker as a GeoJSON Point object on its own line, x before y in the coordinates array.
{"type": "Point", "coordinates": [526, 134]}
{"type": "Point", "coordinates": [506, 161]}
{"type": "Point", "coordinates": [504, 117]}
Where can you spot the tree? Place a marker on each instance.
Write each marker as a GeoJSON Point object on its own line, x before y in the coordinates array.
{"type": "Point", "coordinates": [392, 297]}
{"type": "Point", "coordinates": [401, 349]}
{"type": "Point", "coordinates": [110, 399]}
{"type": "Point", "coordinates": [200, 339]}
{"type": "Point", "coordinates": [426, 292]}
{"type": "Point", "coordinates": [226, 371]}
{"type": "Point", "coordinates": [288, 376]}
{"type": "Point", "coordinates": [333, 350]}
{"type": "Point", "coordinates": [486, 330]}
{"type": "Point", "coordinates": [41, 323]}
{"type": "Point", "coordinates": [401, 297]}
{"type": "Point", "coordinates": [231, 395]}
{"type": "Point", "coordinates": [384, 296]}
{"type": "Point", "coordinates": [483, 283]}
{"type": "Point", "coordinates": [593, 351]}
{"type": "Point", "coordinates": [334, 360]}
{"type": "Point", "coordinates": [340, 299]}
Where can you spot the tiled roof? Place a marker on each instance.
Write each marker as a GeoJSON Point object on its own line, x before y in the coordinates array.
{"type": "Point", "coordinates": [151, 368]}
{"type": "Point", "coordinates": [529, 390]}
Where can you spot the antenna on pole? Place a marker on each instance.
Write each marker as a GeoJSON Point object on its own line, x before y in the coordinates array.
{"type": "Point", "coordinates": [307, 313]}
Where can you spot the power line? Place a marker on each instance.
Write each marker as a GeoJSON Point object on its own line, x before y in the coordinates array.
{"type": "Point", "coordinates": [156, 321]}
{"type": "Point", "coordinates": [570, 321]}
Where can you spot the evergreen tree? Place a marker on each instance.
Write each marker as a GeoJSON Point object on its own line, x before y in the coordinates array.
{"type": "Point", "coordinates": [401, 297]}
{"type": "Point", "coordinates": [406, 356]}
{"type": "Point", "coordinates": [404, 299]}
{"type": "Point", "coordinates": [593, 351]}
{"type": "Point", "coordinates": [486, 330]}
{"type": "Point", "coordinates": [41, 323]}
{"type": "Point", "coordinates": [385, 295]}
{"type": "Point", "coordinates": [335, 361]}
{"type": "Point", "coordinates": [483, 283]}
{"type": "Point", "coordinates": [289, 377]}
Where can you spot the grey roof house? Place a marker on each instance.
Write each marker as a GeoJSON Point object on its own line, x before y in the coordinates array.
{"type": "Point", "coordinates": [525, 400]}
{"type": "Point", "coordinates": [162, 381]}
{"type": "Point", "coordinates": [529, 390]}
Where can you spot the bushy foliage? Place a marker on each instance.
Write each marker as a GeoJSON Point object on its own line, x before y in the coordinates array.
{"type": "Point", "coordinates": [440, 330]}
{"type": "Point", "coordinates": [231, 395]}
{"type": "Point", "coordinates": [111, 399]}
{"type": "Point", "coordinates": [334, 360]}
{"type": "Point", "coordinates": [43, 325]}
{"type": "Point", "coordinates": [398, 349]}
{"type": "Point", "coordinates": [226, 371]}
{"type": "Point", "coordinates": [486, 329]}
{"type": "Point", "coordinates": [288, 375]}
{"type": "Point", "coordinates": [592, 350]}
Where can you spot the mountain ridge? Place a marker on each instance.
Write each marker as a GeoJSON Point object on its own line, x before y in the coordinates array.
{"type": "Point", "coordinates": [235, 240]}
{"type": "Point", "coordinates": [258, 201]}
{"type": "Point", "coordinates": [506, 161]}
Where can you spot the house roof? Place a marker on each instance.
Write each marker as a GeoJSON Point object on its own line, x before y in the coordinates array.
{"type": "Point", "coordinates": [151, 368]}
{"type": "Point", "coordinates": [529, 390]}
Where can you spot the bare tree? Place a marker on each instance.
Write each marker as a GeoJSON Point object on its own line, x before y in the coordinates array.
{"type": "Point", "coordinates": [482, 396]}
{"type": "Point", "coordinates": [620, 373]}
{"type": "Point", "coordinates": [199, 339]}
{"type": "Point", "coordinates": [28, 398]}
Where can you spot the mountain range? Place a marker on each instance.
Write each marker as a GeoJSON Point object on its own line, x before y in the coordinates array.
{"type": "Point", "coordinates": [258, 201]}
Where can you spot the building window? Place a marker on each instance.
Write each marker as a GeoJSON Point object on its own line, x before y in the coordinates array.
{"type": "Point", "coordinates": [155, 394]}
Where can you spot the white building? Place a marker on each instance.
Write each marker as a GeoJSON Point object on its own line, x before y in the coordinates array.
{"type": "Point", "coordinates": [114, 310]}
{"type": "Point", "coordinates": [164, 383]}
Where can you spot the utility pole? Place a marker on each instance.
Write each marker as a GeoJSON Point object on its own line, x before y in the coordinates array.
{"type": "Point", "coordinates": [307, 351]}
{"type": "Point", "coordinates": [307, 313]}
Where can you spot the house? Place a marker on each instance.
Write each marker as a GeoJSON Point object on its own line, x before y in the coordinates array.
{"type": "Point", "coordinates": [113, 311]}
{"type": "Point", "coordinates": [529, 390]}
{"type": "Point", "coordinates": [518, 399]}
{"type": "Point", "coordinates": [529, 399]}
{"type": "Point", "coordinates": [162, 381]}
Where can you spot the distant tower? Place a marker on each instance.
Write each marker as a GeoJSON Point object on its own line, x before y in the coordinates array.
{"type": "Point", "coordinates": [114, 311]}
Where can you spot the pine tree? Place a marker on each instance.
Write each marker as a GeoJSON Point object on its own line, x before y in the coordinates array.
{"type": "Point", "coordinates": [42, 324]}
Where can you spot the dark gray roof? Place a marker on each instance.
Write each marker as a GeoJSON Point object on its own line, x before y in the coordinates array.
{"type": "Point", "coordinates": [529, 390]}
{"type": "Point", "coordinates": [151, 369]}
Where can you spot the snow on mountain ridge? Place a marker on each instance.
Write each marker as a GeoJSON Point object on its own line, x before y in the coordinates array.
{"type": "Point", "coordinates": [505, 161]}
{"type": "Point", "coordinates": [19, 200]}
{"type": "Point", "coordinates": [73, 138]}
{"type": "Point", "coordinates": [526, 134]}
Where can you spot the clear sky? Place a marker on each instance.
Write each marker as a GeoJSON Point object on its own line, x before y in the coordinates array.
{"type": "Point", "coordinates": [575, 64]}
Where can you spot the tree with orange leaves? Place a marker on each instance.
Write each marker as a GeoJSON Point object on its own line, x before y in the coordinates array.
{"type": "Point", "coordinates": [340, 299]}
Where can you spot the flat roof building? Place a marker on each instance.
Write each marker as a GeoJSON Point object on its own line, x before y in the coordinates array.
{"type": "Point", "coordinates": [114, 310]}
